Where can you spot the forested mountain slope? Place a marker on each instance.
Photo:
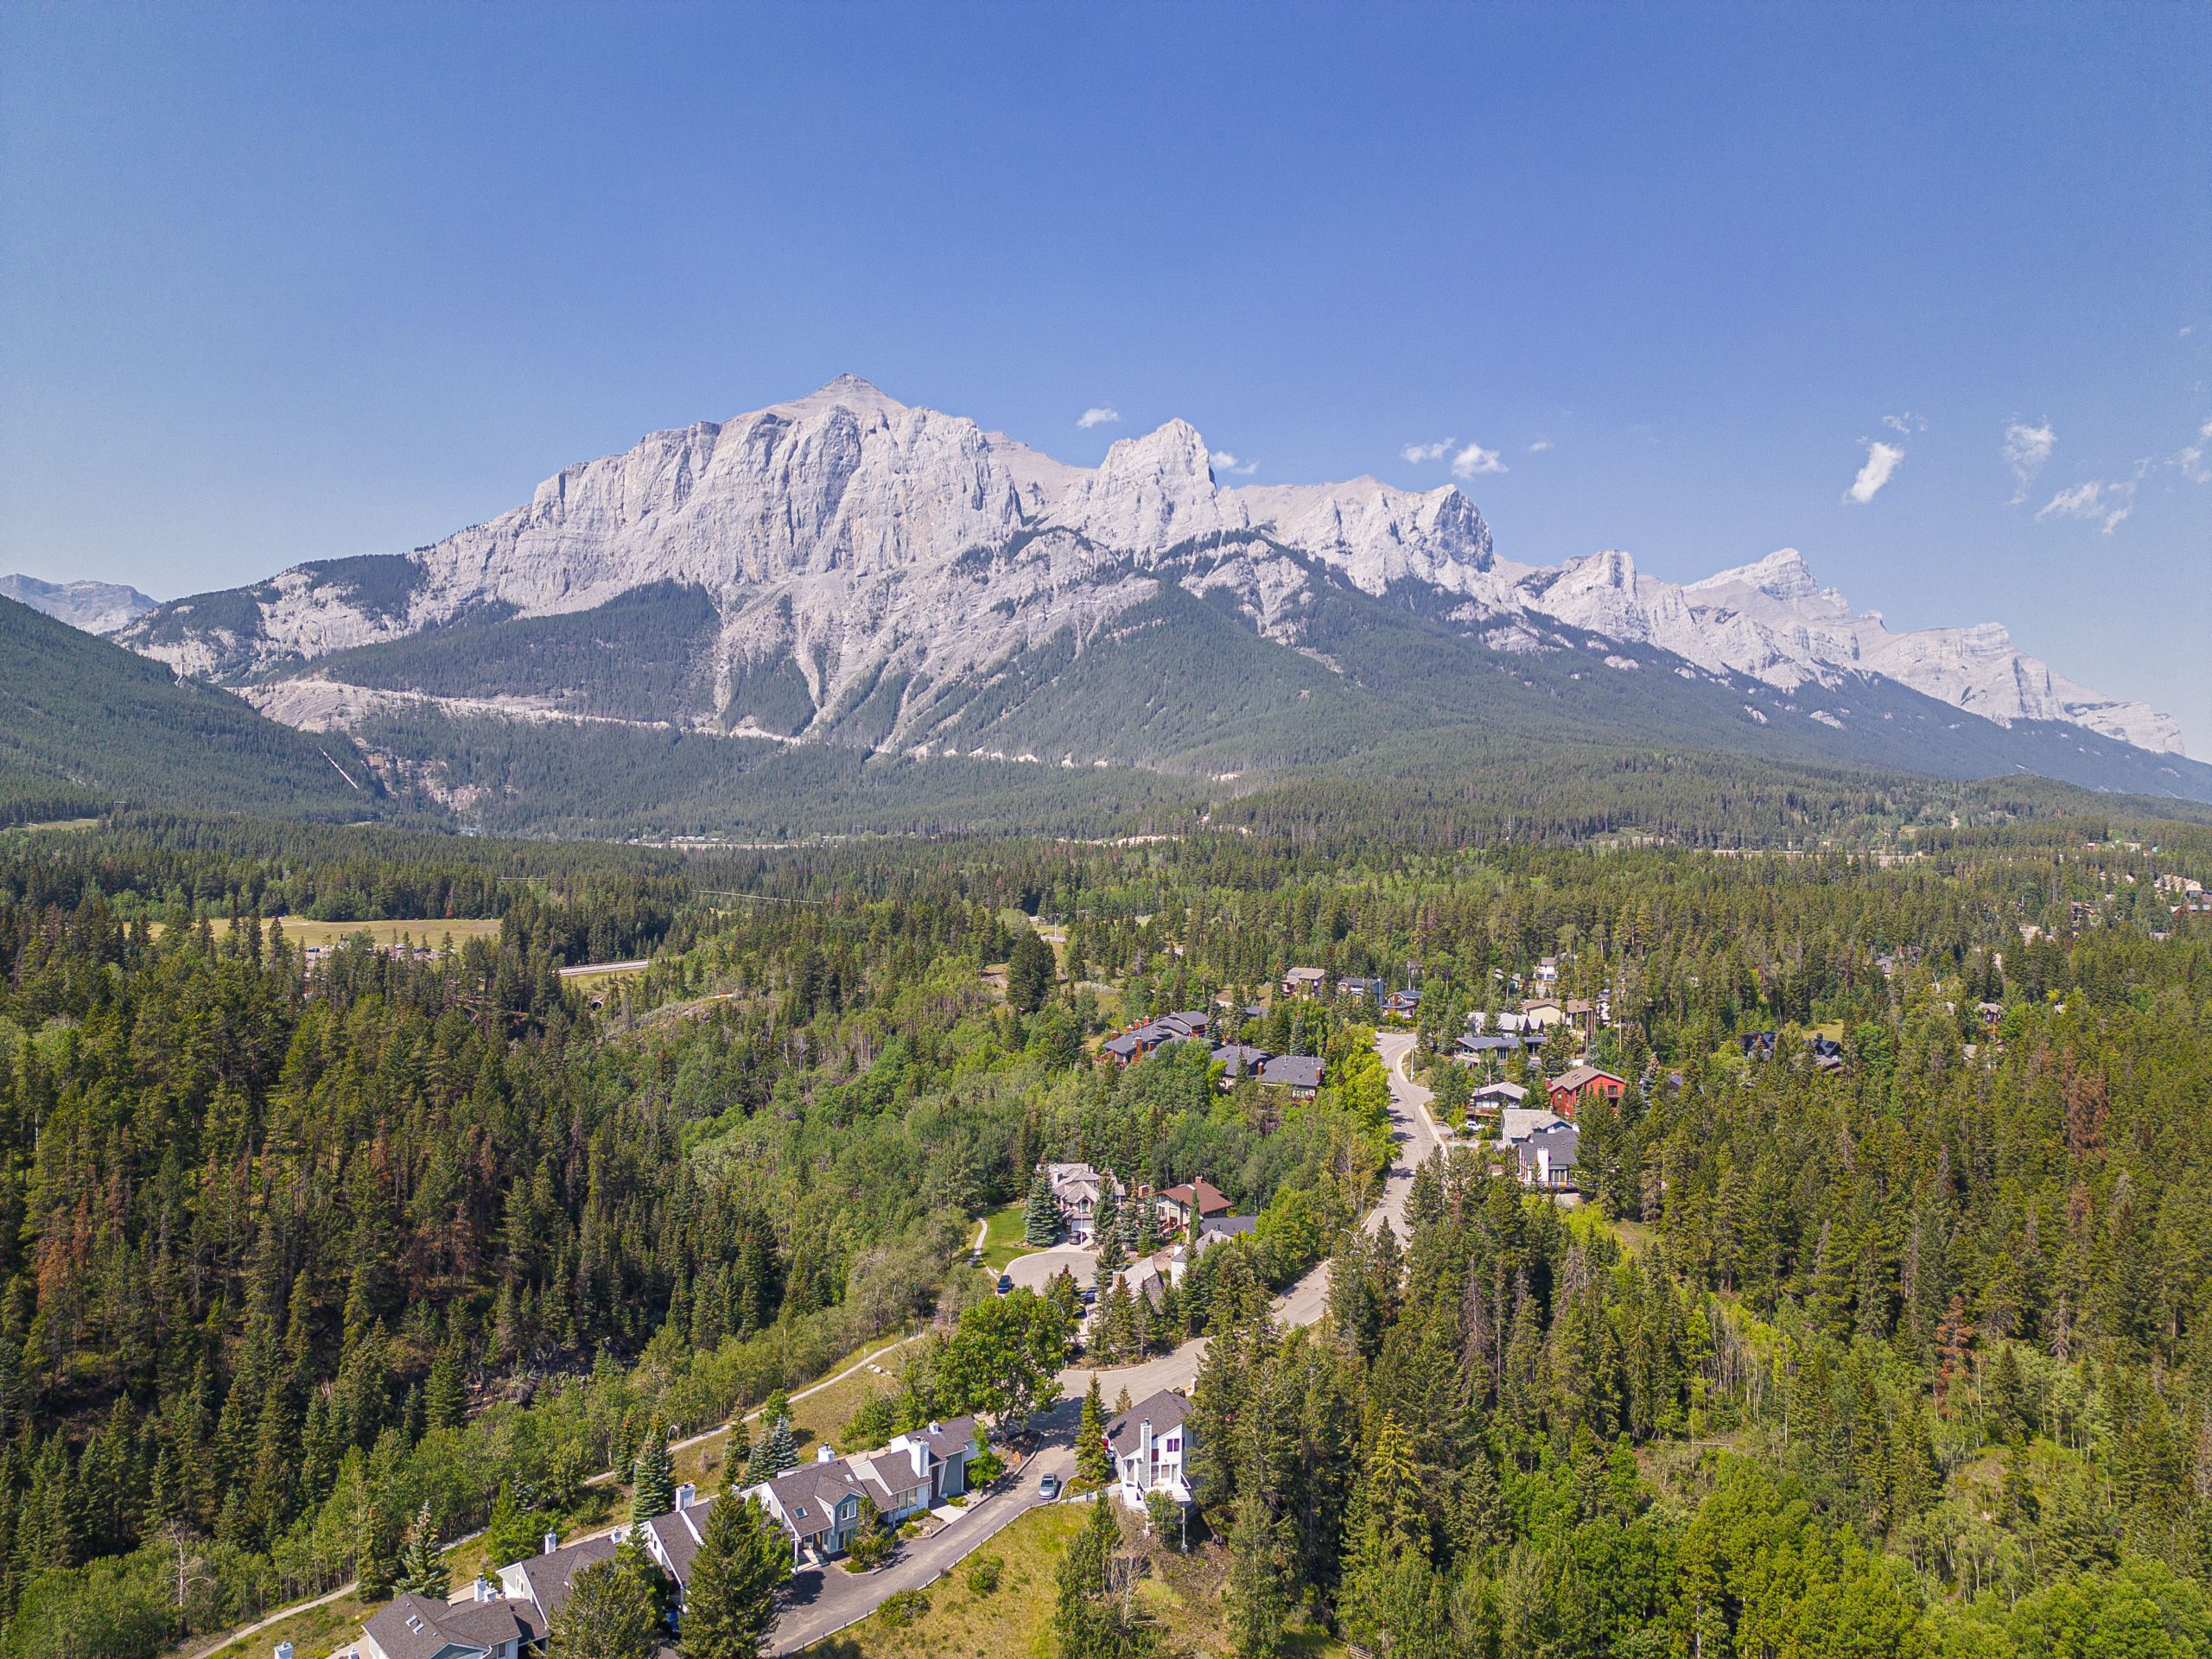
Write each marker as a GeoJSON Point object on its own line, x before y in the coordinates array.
{"type": "Point", "coordinates": [84, 724]}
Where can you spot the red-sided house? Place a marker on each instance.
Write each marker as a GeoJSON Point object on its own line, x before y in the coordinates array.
{"type": "Point", "coordinates": [1578, 1083]}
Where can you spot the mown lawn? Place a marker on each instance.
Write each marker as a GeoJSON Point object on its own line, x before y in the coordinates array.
{"type": "Point", "coordinates": [1003, 1237]}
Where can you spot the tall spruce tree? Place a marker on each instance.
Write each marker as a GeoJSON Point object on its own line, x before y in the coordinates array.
{"type": "Point", "coordinates": [1092, 1459]}
{"type": "Point", "coordinates": [730, 1600]}
{"type": "Point", "coordinates": [652, 1477]}
{"type": "Point", "coordinates": [1040, 1222]}
{"type": "Point", "coordinates": [422, 1564]}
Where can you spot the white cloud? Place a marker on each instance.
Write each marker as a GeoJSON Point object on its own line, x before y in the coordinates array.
{"type": "Point", "coordinates": [1907, 423]}
{"type": "Point", "coordinates": [2026, 449]}
{"type": "Point", "coordinates": [1540, 446]}
{"type": "Point", "coordinates": [1419, 453]}
{"type": "Point", "coordinates": [2192, 460]}
{"type": "Point", "coordinates": [1882, 459]}
{"type": "Point", "coordinates": [1098, 414]}
{"type": "Point", "coordinates": [2097, 498]}
{"type": "Point", "coordinates": [1225, 462]}
{"type": "Point", "coordinates": [1474, 460]}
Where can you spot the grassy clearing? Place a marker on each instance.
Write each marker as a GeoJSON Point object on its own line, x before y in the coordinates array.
{"type": "Point", "coordinates": [78, 824]}
{"type": "Point", "coordinates": [1004, 1236]}
{"type": "Point", "coordinates": [317, 1630]}
{"type": "Point", "coordinates": [820, 1416]}
{"type": "Point", "coordinates": [1013, 1622]}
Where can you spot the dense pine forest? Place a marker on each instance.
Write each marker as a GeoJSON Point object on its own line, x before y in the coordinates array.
{"type": "Point", "coordinates": [1913, 1357]}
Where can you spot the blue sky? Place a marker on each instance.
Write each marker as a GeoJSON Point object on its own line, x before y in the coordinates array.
{"type": "Point", "coordinates": [291, 283]}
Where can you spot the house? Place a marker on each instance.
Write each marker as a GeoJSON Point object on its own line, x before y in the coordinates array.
{"type": "Point", "coordinates": [1214, 1230]}
{"type": "Point", "coordinates": [1193, 1202]}
{"type": "Point", "coordinates": [1151, 1446]}
{"type": "Point", "coordinates": [1128, 1047]}
{"type": "Point", "coordinates": [1493, 1046]}
{"type": "Point", "coordinates": [1403, 1005]}
{"type": "Point", "coordinates": [1242, 1061]}
{"type": "Point", "coordinates": [487, 1626]}
{"type": "Point", "coordinates": [1494, 1098]}
{"type": "Point", "coordinates": [1077, 1189]}
{"type": "Point", "coordinates": [1546, 1158]}
{"type": "Point", "coordinates": [1581, 1014]}
{"type": "Point", "coordinates": [542, 1581]}
{"type": "Point", "coordinates": [1303, 982]}
{"type": "Point", "coordinates": [1547, 971]}
{"type": "Point", "coordinates": [1300, 1073]}
{"type": "Point", "coordinates": [1186, 1023]}
{"type": "Point", "coordinates": [825, 1504]}
{"type": "Point", "coordinates": [1366, 991]}
{"type": "Point", "coordinates": [1756, 1045]}
{"type": "Point", "coordinates": [1541, 1014]}
{"type": "Point", "coordinates": [1578, 1083]}
{"type": "Point", "coordinates": [1827, 1053]}
{"type": "Point", "coordinates": [673, 1541]}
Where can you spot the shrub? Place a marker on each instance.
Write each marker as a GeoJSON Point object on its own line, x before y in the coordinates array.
{"type": "Point", "coordinates": [983, 1574]}
{"type": "Point", "coordinates": [903, 1608]}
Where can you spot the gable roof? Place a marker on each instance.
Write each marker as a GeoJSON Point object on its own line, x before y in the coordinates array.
{"type": "Point", "coordinates": [548, 1577]}
{"type": "Point", "coordinates": [1163, 1411]}
{"type": "Point", "coordinates": [1201, 1195]}
{"type": "Point", "coordinates": [1578, 1077]}
{"type": "Point", "coordinates": [678, 1534]}
{"type": "Point", "coordinates": [417, 1627]}
{"type": "Point", "coordinates": [1292, 1071]}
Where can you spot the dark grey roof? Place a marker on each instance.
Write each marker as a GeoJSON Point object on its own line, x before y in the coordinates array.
{"type": "Point", "coordinates": [1295, 1070]}
{"type": "Point", "coordinates": [1228, 1226]}
{"type": "Point", "coordinates": [550, 1576]}
{"type": "Point", "coordinates": [417, 1627]}
{"type": "Point", "coordinates": [1240, 1057]}
{"type": "Point", "coordinates": [1164, 1411]}
{"type": "Point", "coordinates": [678, 1533]}
{"type": "Point", "coordinates": [1562, 1142]}
{"type": "Point", "coordinates": [810, 1494]}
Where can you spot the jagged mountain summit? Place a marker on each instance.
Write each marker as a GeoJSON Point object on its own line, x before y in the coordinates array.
{"type": "Point", "coordinates": [848, 568]}
{"type": "Point", "coordinates": [93, 607]}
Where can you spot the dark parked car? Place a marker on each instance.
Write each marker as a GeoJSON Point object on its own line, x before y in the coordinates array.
{"type": "Point", "coordinates": [1006, 1283]}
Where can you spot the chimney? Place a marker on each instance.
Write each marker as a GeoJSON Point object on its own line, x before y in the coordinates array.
{"type": "Point", "coordinates": [825, 1453]}
{"type": "Point", "coordinates": [552, 1542]}
{"type": "Point", "coordinates": [485, 1589]}
{"type": "Point", "coordinates": [686, 1495]}
{"type": "Point", "coordinates": [283, 1650]}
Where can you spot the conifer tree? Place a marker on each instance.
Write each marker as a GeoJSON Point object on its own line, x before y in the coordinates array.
{"type": "Point", "coordinates": [652, 1479]}
{"type": "Point", "coordinates": [730, 1600]}
{"type": "Point", "coordinates": [422, 1564]}
{"type": "Point", "coordinates": [781, 1449]}
{"type": "Point", "coordinates": [1040, 1222]}
{"type": "Point", "coordinates": [1092, 1460]}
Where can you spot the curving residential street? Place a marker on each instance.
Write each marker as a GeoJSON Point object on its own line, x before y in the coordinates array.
{"type": "Point", "coordinates": [823, 1602]}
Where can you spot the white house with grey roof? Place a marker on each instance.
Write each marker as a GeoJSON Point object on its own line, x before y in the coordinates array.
{"type": "Point", "coordinates": [825, 1504]}
{"type": "Point", "coordinates": [484, 1626]}
{"type": "Point", "coordinates": [1151, 1446]}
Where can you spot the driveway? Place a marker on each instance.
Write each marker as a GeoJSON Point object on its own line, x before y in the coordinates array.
{"type": "Point", "coordinates": [1031, 1271]}
{"type": "Point", "coordinates": [822, 1603]}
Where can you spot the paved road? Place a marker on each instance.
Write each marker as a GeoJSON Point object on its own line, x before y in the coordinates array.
{"type": "Point", "coordinates": [823, 1603]}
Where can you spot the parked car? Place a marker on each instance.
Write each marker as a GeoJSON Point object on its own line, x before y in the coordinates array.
{"type": "Point", "coordinates": [1049, 1488]}
{"type": "Point", "coordinates": [1006, 1283]}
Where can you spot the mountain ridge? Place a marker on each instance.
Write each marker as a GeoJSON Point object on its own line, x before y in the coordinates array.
{"type": "Point", "coordinates": [868, 564]}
